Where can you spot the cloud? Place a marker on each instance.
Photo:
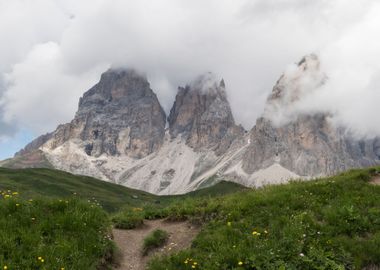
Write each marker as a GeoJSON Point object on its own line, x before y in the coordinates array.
{"type": "Point", "coordinates": [39, 92]}
{"type": "Point", "coordinates": [61, 47]}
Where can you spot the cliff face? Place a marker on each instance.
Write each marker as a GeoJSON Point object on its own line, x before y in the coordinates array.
{"type": "Point", "coordinates": [119, 115]}
{"type": "Point", "coordinates": [305, 143]}
{"type": "Point", "coordinates": [310, 146]}
{"type": "Point", "coordinates": [201, 114]}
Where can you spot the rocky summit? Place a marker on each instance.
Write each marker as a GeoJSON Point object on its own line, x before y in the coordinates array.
{"type": "Point", "coordinates": [118, 135]}
{"type": "Point", "coordinates": [307, 144]}
{"type": "Point", "coordinates": [119, 115]}
{"type": "Point", "coordinates": [201, 114]}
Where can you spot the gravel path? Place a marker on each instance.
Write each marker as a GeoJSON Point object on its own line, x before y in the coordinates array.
{"type": "Point", "coordinates": [130, 242]}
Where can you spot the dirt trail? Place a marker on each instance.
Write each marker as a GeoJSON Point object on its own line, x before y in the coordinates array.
{"type": "Point", "coordinates": [376, 180]}
{"type": "Point", "coordinates": [130, 241]}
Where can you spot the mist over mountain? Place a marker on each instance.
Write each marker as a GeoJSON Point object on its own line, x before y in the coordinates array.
{"type": "Point", "coordinates": [58, 53]}
{"type": "Point", "coordinates": [121, 134]}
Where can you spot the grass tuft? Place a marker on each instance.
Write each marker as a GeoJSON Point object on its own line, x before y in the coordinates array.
{"type": "Point", "coordinates": [155, 239]}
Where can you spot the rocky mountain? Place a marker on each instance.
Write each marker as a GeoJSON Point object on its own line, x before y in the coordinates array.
{"type": "Point", "coordinates": [307, 144]}
{"type": "Point", "coordinates": [118, 135]}
{"type": "Point", "coordinates": [119, 115]}
{"type": "Point", "coordinates": [201, 114]}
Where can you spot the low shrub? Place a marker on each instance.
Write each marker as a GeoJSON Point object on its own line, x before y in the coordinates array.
{"type": "Point", "coordinates": [128, 219]}
{"type": "Point", "coordinates": [155, 239]}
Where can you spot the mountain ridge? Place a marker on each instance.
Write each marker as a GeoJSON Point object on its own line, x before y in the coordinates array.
{"type": "Point", "coordinates": [119, 135]}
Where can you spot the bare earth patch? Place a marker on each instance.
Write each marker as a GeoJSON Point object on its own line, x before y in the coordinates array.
{"type": "Point", "coordinates": [130, 242]}
{"type": "Point", "coordinates": [376, 181]}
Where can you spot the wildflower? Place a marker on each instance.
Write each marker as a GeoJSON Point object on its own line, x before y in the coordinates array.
{"type": "Point", "coordinates": [17, 204]}
{"type": "Point", "coordinates": [229, 223]}
{"type": "Point", "coordinates": [266, 232]}
{"type": "Point", "coordinates": [15, 193]}
{"type": "Point", "coordinates": [301, 254]}
{"type": "Point", "coordinates": [5, 267]}
{"type": "Point", "coordinates": [240, 263]}
{"type": "Point", "coordinates": [255, 233]}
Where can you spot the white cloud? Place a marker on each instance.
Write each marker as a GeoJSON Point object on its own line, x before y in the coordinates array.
{"type": "Point", "coordinates": [40, 94]}
{"type": "Point", "coordinates": [62, 46]}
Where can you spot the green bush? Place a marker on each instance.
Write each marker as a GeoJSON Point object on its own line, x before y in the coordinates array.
{"type": "Point", "coordinates": [155, 239]}
{"type": "Point", "coordinates": [53, 234]}
{"type": "Point", "coordinates": [128, 219]}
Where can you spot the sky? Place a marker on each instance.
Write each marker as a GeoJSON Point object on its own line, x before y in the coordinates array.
{"type": "Point", "coordinates": [52, 51]}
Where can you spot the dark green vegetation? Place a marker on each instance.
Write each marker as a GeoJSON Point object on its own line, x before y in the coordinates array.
{"type": "Point", "coordinates": [34, 183]}
{"type": "Point", "coordinates": [330, 223]}
{"type": "Point", "coordinates": [53, 234]}
{"type": "Point", "coordinates": [128, 219]}
{"type": "Point", "coordinates": [155, 239]}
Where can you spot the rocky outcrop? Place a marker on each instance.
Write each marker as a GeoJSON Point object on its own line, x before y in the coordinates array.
{"type": "Point", "coordinates": [34, 145]}
{"type": "Point", "coordinates": [376, 147]}
{"type": "Point", "coordinates": [310, 146]}
{"type": "Point", "coordinates": [201, 114]}
{"type": "Point", "coordinates": [307, 144]}
{"type": "Point", "coordinates": [119, 115]}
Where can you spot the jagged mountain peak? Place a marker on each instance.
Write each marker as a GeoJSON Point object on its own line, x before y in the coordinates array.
{"type": "Point", "coordinates": [208, 84]}
{"type": "Point", "coordinates": [201, 113]}
{"type": "Point", "coordinates": [120, 115]}
{"type": "Point", "coordinates": [118, 84]}
{"type": "Point", "coordinates": [297, 82]}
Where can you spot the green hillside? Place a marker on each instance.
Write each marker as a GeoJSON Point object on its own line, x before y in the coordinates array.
{"type": "Point", "coordinates": [331, 223]}
{"type": "Point", "coordinates": [33, 183]}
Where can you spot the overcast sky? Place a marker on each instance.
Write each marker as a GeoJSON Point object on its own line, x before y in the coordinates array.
{"type": "Point", "coordinates": [52, 51]}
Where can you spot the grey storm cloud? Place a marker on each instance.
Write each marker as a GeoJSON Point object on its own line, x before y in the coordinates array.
{"type": "Point", "coordinates": [57, 49]}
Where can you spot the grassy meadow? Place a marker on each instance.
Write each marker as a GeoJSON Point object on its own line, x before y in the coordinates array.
{"type": "Point", "coordinates": [55, 220]}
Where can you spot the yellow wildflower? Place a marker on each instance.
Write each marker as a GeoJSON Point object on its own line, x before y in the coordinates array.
{"type": "Point", "coordinates": [240, 263]}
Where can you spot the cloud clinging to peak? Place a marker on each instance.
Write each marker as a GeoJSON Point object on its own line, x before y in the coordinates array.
{"type": "Point", "coordinates": [56, 49]}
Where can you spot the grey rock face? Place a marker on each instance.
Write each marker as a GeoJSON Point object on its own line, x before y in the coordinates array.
{"type": "Point", "coordinates": [34, 145]}
{"type": "Point", "coordinates": [307, 144]}
{"type": "Point", "coordinates": [310, 146]}
{"type": "Point", "coordinates": [376, 147]}
{"type": "Point", "coordinates": [119, 115]}
{"type": "Point", "coordinates": [202, 115]}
